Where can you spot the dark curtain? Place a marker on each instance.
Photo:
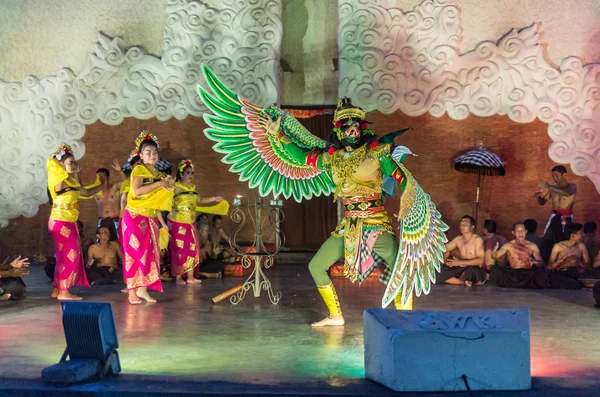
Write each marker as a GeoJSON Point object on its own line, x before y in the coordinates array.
{"type": "Point", "coordinates": [309, 223]}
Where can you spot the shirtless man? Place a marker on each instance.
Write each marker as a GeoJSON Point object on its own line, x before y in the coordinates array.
{"type": "Point", "coordinates": [210, 266]}
{"type": "Point", "coordinates": [102, 267]}
{"type": "Point", "coordinates": [466, 269]}
{"type": "Point", "coordinates": [526, 266]}
{"type": "Point", "coordinates": [562, 195]}
{"type": "Point", "coordinates": [109, 201]}
{"type": "Point", "coordinates": [217, 236]}
{"type": "Point", "coordinates": [571, 253]}
{"type": "Point", "coordinates": [521, 254]}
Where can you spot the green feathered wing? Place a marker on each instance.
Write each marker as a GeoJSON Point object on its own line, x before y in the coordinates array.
{"type": "Point", "coordinates": [260, 158]}
{"type": "Point", "coordinates": [421, 243]}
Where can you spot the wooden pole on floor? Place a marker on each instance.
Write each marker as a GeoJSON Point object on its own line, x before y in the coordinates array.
{"type": "Point", "coordinates": [227, 294]}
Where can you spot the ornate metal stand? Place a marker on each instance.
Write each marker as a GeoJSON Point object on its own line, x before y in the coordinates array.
{"type": "Point", "coordinates": [258, 255]}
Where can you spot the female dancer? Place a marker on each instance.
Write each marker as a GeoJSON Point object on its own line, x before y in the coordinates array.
{"type": "Point", "coordinates": [65, 188]}
{"type": "Point", "coordinates": [133, 161]}
{"type": "Point", "coordinates": [151, 192]}
{"type": "Point", "coordinates": [184, 244]}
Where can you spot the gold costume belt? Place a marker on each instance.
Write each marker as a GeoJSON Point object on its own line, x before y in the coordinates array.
{"type": "Point", "coordinates": [65, 206]}
{"type": "Point", "coordinates": [362, 207]}
{"type": "Point", "coordinates": [147, 212]}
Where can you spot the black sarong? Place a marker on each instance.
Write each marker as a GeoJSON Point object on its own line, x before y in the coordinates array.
{"type": "Point", "coordinates": [507, 277]}
{"type": "Point", "coordinates": [564, 278]}
{"type": "Point", "coordinates": [474, 274]}
{"type": "Point", "coordinates": [104, 275]}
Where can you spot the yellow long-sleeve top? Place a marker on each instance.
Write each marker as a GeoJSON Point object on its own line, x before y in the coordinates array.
{"type": "Point", "coordinates": [160, 199]}
{"type": "Point", "coordinates": [184, 204]}
{"type": "Point", "coordinates": [64, 202]}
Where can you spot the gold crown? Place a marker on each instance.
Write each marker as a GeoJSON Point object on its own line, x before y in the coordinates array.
{"type": "Point", "coordinates": [62, 150]}
{"type": "Point", "coordinates": [345, 110]}
{"type": "Point", "coordinates": [144, 136]}
{"type": "Point", "coordinates": [185, 163]}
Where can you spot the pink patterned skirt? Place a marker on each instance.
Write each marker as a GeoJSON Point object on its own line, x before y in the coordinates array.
{"type": "Point", "coordinates": [70, 269]}
{"type": "Point", "coordinates": [141, 251]}
{"type": "Point", "coordinates": [185, 250]}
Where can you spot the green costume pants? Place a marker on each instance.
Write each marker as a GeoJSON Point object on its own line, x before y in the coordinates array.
{"type": "Point", "coordinates": [386, 246]}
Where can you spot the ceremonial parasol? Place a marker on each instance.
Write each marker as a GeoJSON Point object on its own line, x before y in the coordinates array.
{"type": "Point", "coordinates": [481, 162]}
{"type": "Point", "coordinates": [163, 165]}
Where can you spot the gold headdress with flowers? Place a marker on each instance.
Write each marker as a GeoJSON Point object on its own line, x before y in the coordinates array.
{"type": "Point", "coordinates": [62, 150]}
{"type": "Point", "coordinates": [145, 136]}
{"type": "Point", "coordinates": [346, 110]}
{"type": "Point", "coordinates": [185, 163]}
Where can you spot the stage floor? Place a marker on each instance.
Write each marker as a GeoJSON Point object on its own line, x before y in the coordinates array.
{"type": "Point", "coordinates": [186, 344]}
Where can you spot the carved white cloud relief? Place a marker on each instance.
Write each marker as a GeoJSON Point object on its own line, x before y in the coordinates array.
{"type": "Point", "coordinates": [389, 60]}
{"type": "Point", "coordinates": [409, 61]}
{"type": "Point", "coordinates": [240, 41]}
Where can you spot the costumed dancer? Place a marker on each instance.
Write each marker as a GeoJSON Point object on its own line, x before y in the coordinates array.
{"type": "Point", "coordinates": [184, 243]}
{"type": "Point", "coordinates": [274, 152]}
{"type": "Point", "coordinates": [133, 161]}
{"type": "Point", "coordinates": [151, 192]}
{"type": "Point", "coordinates": [65, 189]}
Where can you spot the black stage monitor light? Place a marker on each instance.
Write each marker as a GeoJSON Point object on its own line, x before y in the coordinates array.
{"type": "Point", "coordinates": [91, 344]}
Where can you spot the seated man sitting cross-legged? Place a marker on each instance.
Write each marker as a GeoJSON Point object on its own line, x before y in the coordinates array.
{"type": "Point", "coordinates": [464, 257]}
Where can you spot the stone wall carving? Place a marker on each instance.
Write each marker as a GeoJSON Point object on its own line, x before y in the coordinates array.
{"type": "Point", "coordinates": [240, 41]}
{"type": "Point", "coordinates": [409, 61]}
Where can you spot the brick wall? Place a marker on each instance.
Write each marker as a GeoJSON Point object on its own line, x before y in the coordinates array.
{"type": "Point", "coordinates": [437, 141]}
{"type": "Point", "coordinates": [508, 199]}
{"type": "Point", "coordinates": [178, 139]}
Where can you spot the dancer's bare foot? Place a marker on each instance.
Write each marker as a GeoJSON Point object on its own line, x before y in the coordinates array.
{"type": "Point", "coordinates": [124, 290]}
{"type": "Point", "coordinates": [67, 296]}
{"type": "Point", "coordinates": [54, 293]}
{"type": "Point", "coordinates": [142, 293]}
{"type": "Point", "coordinates": [193, 280]}
{"type": "Point", "coordinates": [468, 283]}
{"type": "Point", "coordinates": [133, 298]}
{"type": "Point", "coordinates": [5, 297]}
{"type": "Point", "coordinates": [179, 280]}
{"type": "Point", "coordinates": [330, 321]}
